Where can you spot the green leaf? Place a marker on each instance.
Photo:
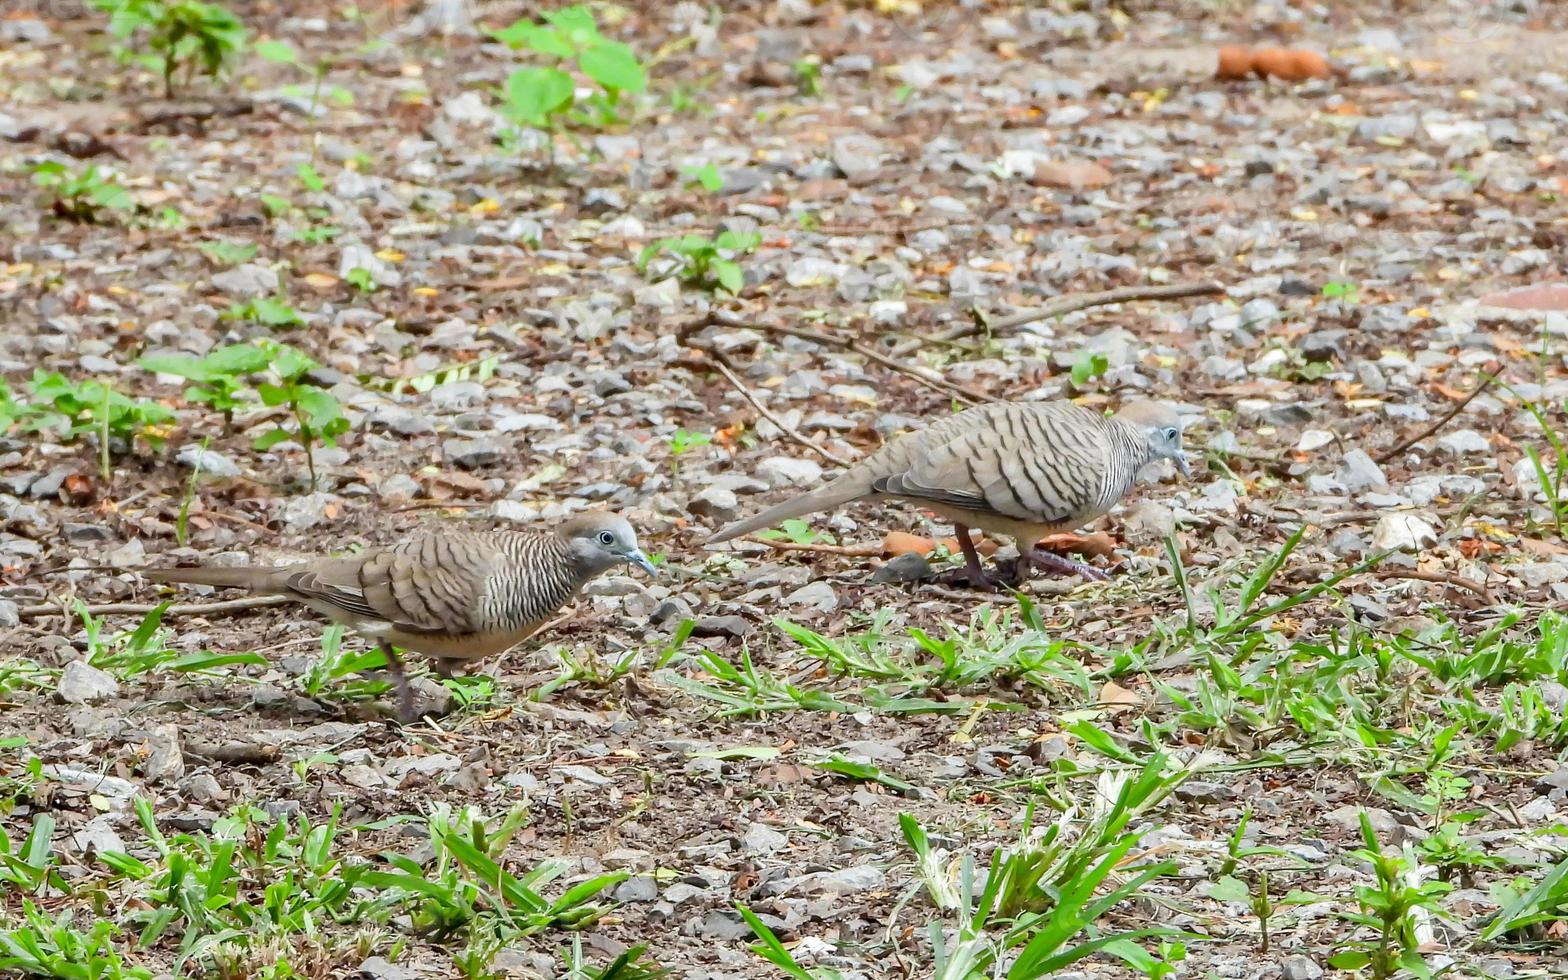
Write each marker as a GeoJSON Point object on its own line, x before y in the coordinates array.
{"type": "Point", "coordinates": [707, 175]}
{"type": "Point", "coordinates": [729, 275]}
{"type": "Point", "coordinates": [111, 196]}
{"type": "Point", "coordinates": [535, 94]}
{"type": "Point", "coordinates": [318, 406]}
{"type": "Point", "coordinates": [308, 176]}
{"type": "Point", "coordinates": [763, 752]}
{"type": "Point", "coordinates": [281, 52]}
{"type": "Point", "coordinates": [1229, 889]}
{"type": "Point", "coordinates": [1350, 959]}
{"type": "Point", "coordinates": [290, 363]}
{"type": "Point", "coordinates": [614, 66]}
{"type": "Point", "coordinates": [267, 440]}
{"type": "Point", "coordinates": [236, 359]}
{"type": "Point", "coordinates": [575, 23]}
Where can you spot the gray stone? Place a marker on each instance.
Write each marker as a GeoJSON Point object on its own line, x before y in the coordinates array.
{"type": "Point", "coordinates": [723, 925]}
{"type": "Point", "coordinates": [308, 511]}
{"type": "Point", "coordinates": [378, 968]}
{"type": "Point", "coordinates": [81, 682]}
{"type": "Point", "coordinates": [908, 567]}
{"type": "Point", "coordinates": [1541, 573]}
{"type": "Point", "coordinates": [639, 888]}
{"type": "Point", "coordinates": [733, 627]}
{"type": "Point", "coordinates": [1197, 791]}
{"type": "Point", "coordinates": [789, 471]}
{"type": "Point", "coordinates": [472, 454]}
{"type": "Point", "coordinates": [1148, 522]}
{"type": "Point", "coordinates": [1463, 442]}
{"type": "Point", "coordinates": [10, 613]}
{"type": "Point", "coordinates": [246, 281]}
{"type": "Point", "coordinates": [1402, 532]}
{"type": "Point", "coordinates": [857, 155]}
{"type": "Point", "coordinates": [819, 596]}
{"type": "Point", "coordinates": [165, 761]}
{"type": "Point", "coordinates": [762, 839]}
{"type": "Point", "coordinates": [843, 881]}
{"type": "Point", "coordinates": [672, 610]}
{"type": "Point", "coordinates": [1358, 472]}
{"type": "Point", "coordinates": [1299, 967]}
{"type": "Point", "coordinates": [210, 462]}
{"type": "Point", "coordinates": [715, 503]}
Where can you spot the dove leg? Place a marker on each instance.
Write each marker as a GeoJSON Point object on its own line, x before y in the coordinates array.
{"type": "Point", "coordinates": [405, 691]}
{"type": "Point", "coordinates": [1052, 562]}
{"type": "Point", "coordinates": [976, 575]}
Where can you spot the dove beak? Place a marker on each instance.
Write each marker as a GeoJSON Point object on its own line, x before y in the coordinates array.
{"type": "Point", "coordinates": [636, 557]}
{"type": "Point", "coordinates": [1184, 465]}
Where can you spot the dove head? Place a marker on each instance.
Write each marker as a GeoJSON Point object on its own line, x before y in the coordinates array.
{"type": "Point", "coordinates": [1161, 426]}
{"type": "Point", "coordinates": [599, 541]}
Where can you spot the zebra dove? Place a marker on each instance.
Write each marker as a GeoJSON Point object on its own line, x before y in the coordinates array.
{"type": "Point", "coordinates": [1021, 469]}
{"type": "Point", "coordinates": [453, 596]}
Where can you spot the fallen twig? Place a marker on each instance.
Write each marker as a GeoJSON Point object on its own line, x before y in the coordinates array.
{"type": "Point", "coordinates": [722, 362]}
{"type": "Point", "coordinates": [1440, 578]}
{"type": "Point", "coordinates": [851, 550]}
{"type": "Point", "coordinates": [232, 753]}
{"type": "Point", "coordinates": [1486, 382]}
{"type": "Point", "coordinates": [143, 608]}
{"type": "Point", "coordinates": [719, 318]}
{"type": "Point", "coordinates": [1061, 306]}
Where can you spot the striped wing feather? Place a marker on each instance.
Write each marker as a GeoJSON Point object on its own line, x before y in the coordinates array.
{"type": "Point", "coordinates": [1039, 464]}
{"type": "Point", "coordinates": [433, 584]}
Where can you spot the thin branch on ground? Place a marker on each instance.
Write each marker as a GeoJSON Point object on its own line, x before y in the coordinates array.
{"type": "Point", "coordinates": [1486, 382]}
{"type": "Point", "coordinates": [851, 550]}
{"type": "Point", "coordinates": [143, 608]}
{"type": "Point", "coordinates": [719, 318]}
{"type": "Point", "coordinates": [727, 368]}
{"type": "Point", "coordinates": [1439, 578]}
{"type": "Point", "coordinates": [1061, 306]}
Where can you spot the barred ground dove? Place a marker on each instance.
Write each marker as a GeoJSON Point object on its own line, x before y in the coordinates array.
{"type": "Point", "coordinates": [453, 596]}
{"type": "Point", "coordinates": [1020, 469]}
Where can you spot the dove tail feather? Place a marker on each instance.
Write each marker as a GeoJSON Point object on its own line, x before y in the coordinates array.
{"type": "Point", "coordinates": [260, 580]}
{"type": "Point", "coordinates": [841, 491]}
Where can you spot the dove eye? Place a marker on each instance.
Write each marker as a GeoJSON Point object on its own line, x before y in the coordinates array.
{"type": "Point", "coordinates": [1170, 433]}
{"type": "Point", "coordinates": [606, 538]}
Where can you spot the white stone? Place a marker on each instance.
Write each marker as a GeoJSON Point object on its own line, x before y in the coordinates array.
{"type": "Point", "coordinates": [1463, 441]}
{"type": "Point", "coordinates": [81, 682]}
{"type": "Point", "coordinates": [789, 471]}
{"type": "Point", "coordinates": [1314, 439]}
{"type": "Point", "coordinates": [1402, 532]}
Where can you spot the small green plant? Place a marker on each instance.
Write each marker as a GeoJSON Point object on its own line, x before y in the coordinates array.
{"type": "Point", "coordinates": [283, 53]}
{"type": "Point", "coordinates": [1088, 366]}
{"type": "Point", "coordinates": [706, 176]}
{"type": "Point", "coordinates": [268, 311]}
{"type": "Point", "coordinates": [80, 195]}
{"type": "Point", "coordinates": [217, 380]}
{"type": "Point", "coordinates": [1346, 292]}
{"type": "Point", "coordinates": [317, 234]}
{"type": "Point", "coordinates": [361, 279]}
{"type": "Point", "coordinates": [145, 649]}
{"type": "Point", "coordinates": [43, 946]}
{"type": "Point", "coordinates": [545, 96]}
{"type": "Point", "coordinates": [225, 253]}
{"type": "Point", "coordinates": [796, 531]}
{"type": "Point", "coordinates": [177, 34]}
{"type": "Point", "coordinates": [71, 409]}
{"type": "Point", "coordinates": [316, 413]}
{"type": "Point", "coordinates": [808, 76]}
{"type": "Point", "coordinates": [707, 263]}
{"type": "Point", "coordinates": [1394, 908]}
{"type": "Point", "coordinates": [683, 442]}
{"type": "Point", "coordinates": [1525, 908]}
